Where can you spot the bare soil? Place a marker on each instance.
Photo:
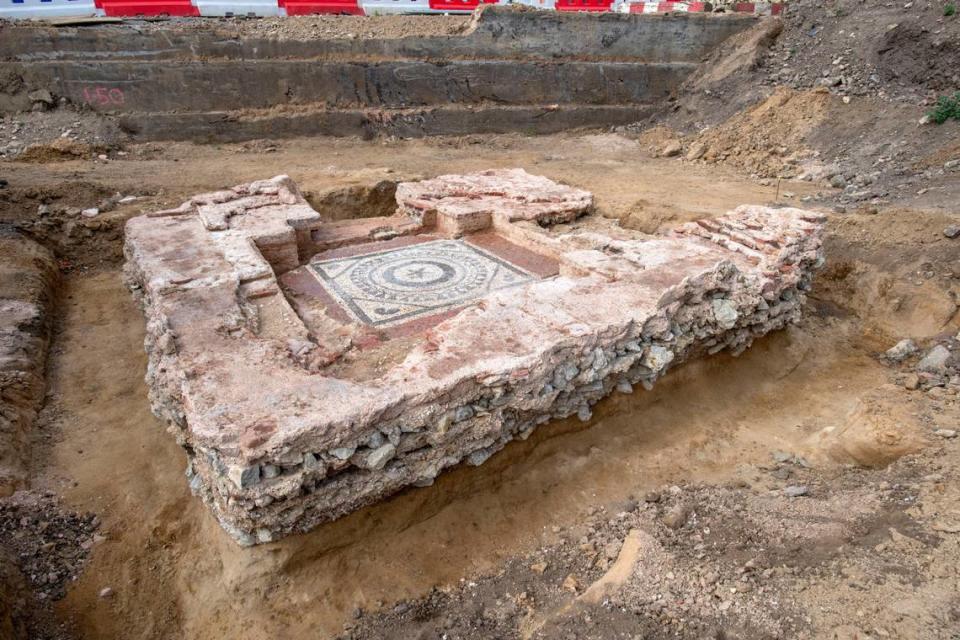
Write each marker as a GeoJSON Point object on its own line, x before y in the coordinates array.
{"type": "Point", "coordinates": [62, 133]}
{"type": "Point", "coordinates": [714, 425]}
{"type": "Point", "coordinates": [834, 94]}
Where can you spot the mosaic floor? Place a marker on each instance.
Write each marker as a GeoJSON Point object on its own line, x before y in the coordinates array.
{"type": "Point", "coordinates": [388, 287]}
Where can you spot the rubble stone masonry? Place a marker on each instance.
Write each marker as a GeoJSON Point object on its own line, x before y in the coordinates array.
{"type": "Point", "coordinates": [291, 420]}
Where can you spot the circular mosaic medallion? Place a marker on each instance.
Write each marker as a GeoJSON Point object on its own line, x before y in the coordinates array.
{"type": "Point", "coordinates": [389, 287]}
{"type": "Point", "coordinates": [418, 274]}
{"type": "Point", "coordinates": [427, 275]}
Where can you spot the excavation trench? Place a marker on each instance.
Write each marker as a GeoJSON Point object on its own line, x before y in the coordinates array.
{"type": "Point", "coordinates": [507, 70]}
{"type": "Point", "coordinates": [172, 570]}
{"type": "Point", "coordinates": [164, 547]}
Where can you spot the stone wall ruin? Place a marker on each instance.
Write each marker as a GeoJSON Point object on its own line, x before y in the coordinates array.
{"type": "Point", "coordinates": [297, 408]}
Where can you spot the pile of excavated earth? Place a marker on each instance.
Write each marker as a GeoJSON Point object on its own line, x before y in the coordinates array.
{"type": "Point", "coordinates": [279, 443]}
{"type": "Point", "coordinates": [836, 94]}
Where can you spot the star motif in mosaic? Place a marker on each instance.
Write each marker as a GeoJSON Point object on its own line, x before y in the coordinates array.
{"type": "Point", "coordinates": [397, 285]}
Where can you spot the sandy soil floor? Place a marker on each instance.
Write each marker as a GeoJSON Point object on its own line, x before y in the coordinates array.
{"type": "Point", "coordinates": [170, 572]}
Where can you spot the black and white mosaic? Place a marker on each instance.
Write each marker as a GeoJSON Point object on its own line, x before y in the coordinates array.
{"type": "Point", "coordinates": [398, 285]}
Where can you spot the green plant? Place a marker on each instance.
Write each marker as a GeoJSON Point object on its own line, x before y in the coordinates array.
{"type": "Point", "coordinates": [947, 107]}
{"type": "Point", "coordinates": [950, 9]}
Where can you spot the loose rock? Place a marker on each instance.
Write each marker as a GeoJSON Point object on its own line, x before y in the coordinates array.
{"type": "Point", "coordinates": [902, 350]}
{"type": "Point", "coordinates": [935, 361]}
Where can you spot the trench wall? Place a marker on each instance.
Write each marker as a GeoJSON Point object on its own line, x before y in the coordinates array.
{"type": "Point", "coordinates": [28, 276]}
{"type": "Point", "coordinates": [512, 70]}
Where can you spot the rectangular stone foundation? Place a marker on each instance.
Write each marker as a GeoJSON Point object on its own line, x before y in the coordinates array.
{"type": "Point", "coordinates": [312, 368]}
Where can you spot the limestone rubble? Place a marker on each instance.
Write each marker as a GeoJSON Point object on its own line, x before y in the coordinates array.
{"type": "Point", "coordinates": [279, 444]}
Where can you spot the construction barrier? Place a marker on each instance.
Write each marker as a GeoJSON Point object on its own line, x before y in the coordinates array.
{"type": "Point", "coordinates": [48, 9]}
{"type": "Point", "coordinates": [146, 8]}
{"type": "Point", "coordinates": [463, 6]}
{"type": "Point", "coordinates": [394, 7]}
{"type": "Point", "coordinates": [39, 9]}
{"type": "Point", "coordinates": [583, 5]}
{"type": "Point", "coordinates": [307, 7]}
{"type": "Point", "coordinates": [664, 7]}
{"type": "Point", "coordinates": [234, 8]}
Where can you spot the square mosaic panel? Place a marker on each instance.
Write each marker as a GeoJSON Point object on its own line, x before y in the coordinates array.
{"type": "Point", "coordinates": [389, 287]}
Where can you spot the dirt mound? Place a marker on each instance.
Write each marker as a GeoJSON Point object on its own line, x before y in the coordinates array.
{"type": "Point", "coordinates": [725, 82]}
{"type": "Point", "coordinates": [877, 70]}
{"type": "Point", "coordinates": [894, 51]}
{"type": "Point", "coordinates": [913, 54]}
{"type": "Point", "coordinates": [742, 52]}
{"type": "Point", "coordinates": [769, 139]}
{"type": "Point", "coordinates": [60, 150]}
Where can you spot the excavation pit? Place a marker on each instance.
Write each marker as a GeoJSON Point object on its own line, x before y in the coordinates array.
{"type": "Point", "coordinates": [311, 368]}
